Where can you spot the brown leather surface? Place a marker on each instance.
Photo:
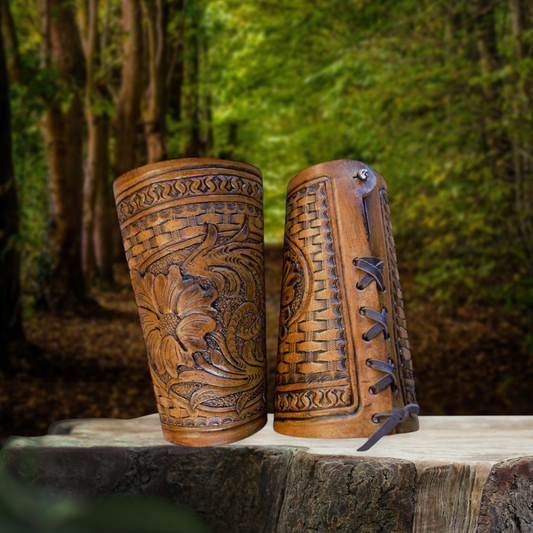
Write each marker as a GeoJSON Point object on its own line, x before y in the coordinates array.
{"type": "Point", "coordinates": [323, 381]}
{"type": "Point", "coordinates": [193, 236]}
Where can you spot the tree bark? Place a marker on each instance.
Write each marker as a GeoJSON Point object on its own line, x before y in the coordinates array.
{"type": "Point", "coordinates": [11, 330]}
{"type": "Point", "coordinates": [156, 14]}
{"type": "Point", "coordinates": [63, 131]}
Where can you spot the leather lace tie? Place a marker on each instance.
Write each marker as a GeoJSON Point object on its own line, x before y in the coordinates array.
{"type": "Point", "coordinates": [373, 268]}
{"type": "Point", "coordinates": [395, 417]}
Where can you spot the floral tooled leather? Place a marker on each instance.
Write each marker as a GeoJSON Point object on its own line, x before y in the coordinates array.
{"type": "Point", "coordinates": [193, 236]}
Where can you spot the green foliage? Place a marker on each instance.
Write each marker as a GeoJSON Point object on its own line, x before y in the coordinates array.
{"type": "Point", "coordinates": [401, 85]}
{"type": "Point", "coordinates": [30, 510]}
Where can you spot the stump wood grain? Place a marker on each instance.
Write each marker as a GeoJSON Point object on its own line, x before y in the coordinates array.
{"type": "Point", "coordinates": [457, 474]}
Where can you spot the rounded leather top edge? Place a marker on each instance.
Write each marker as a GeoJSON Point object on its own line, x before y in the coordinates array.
{"type": "Point", "coordinates": [332, 169]}
{"type": "Point", "coordinates": [145, 172]}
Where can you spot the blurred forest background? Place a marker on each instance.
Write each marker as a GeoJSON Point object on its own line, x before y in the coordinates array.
{"type": "Point", "coordinates": [436, 95]}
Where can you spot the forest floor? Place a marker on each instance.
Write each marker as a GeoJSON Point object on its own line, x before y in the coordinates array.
{"type": "Point", "coordinates": [469, 363]}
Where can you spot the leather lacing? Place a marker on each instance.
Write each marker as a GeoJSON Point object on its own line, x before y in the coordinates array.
{"type": "Point", "coordinates": [381, 323]}
{"type": "Point", "coordinates": [373, 269]}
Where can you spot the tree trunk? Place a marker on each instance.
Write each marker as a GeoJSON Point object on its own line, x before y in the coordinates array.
{"type": "Point", "coordinates": [129, 101]}
{"type": "Point", "coordinates": [156, 14]}
{"type": "Point", "coordinates": [523, 98]}
{"type": "Point", "coordinates": [233, 140]}
{"type": "Point", "coordinates": [105, 218]}
{"type": "Point", "coordinates": [126, 121]}
{"type": "Point", "coordinates": [206, 106]}
{"type": "Point", "coordinates": [11, 45]}
{"type": "Point", "coordinates": [194, 146]}
{"type": "Point", "coordinates": [175, 82]}
{"type": "Point", "coordinates": [63, 131]}
{"type": "Point", "coordinates": [490, 61]}
{"type": "Point", "coordinates": [89, 32]}
{"type": "Point", "coordinates": [97, 178]}
{"type": "Point", "coordinates": [97, 174]}
{"type": "Point", "coordinates": [176, 65]}
{"type": "Point", "coordinates": [10, 309]}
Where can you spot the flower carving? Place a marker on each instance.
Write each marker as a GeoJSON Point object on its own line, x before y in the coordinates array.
{"type": "Point", "coordinates": [175, 314]}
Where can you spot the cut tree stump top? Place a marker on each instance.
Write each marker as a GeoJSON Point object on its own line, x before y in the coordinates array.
{"type": "Point", "coordinates": [457, 474]}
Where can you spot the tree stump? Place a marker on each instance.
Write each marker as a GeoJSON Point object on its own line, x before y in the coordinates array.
{"type": "Point", "coordinates": [457, 474]}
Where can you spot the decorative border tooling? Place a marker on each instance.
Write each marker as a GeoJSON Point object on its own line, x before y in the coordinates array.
{"type": "Point", "coordinates": [225, 421]}
{"type": "Point", "coordinates": [313, 399]}
{"type": "Point", "coordinates": [188, 187]}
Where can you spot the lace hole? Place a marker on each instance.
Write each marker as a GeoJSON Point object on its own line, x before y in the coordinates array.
{"type": "Point", "coordinates": [395, 390]}
{"type": "Point", "coordinates": [372, 391]}
{"type": "Point", "coordinates": [391, 362]}
{"type": "Point", "coordinates": [375, 419]}
{"type": "Point", "coordinates": [365, 339]}
{"type": "Point", "coordinates": [362, 311]}
{"type": "Point", "coordinates": [369, 363]}
{"type": "Point", "coordinates": [387, 338]}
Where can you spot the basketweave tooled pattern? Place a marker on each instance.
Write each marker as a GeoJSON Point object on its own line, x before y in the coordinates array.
{"type": "Point", "coordinates": [312, 337]}
{"type": "Point", "coordinates": [176, 228]}
{"type": "Point", "coordinates": [399, 329]}
{"type": "Point", "coordinates": [169, 190]}
{"type": "Point", "coordinates": [197, 273]}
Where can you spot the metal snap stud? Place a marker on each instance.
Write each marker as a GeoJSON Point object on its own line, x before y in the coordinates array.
{"type": "Point", "coordinates": [363, 174]}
